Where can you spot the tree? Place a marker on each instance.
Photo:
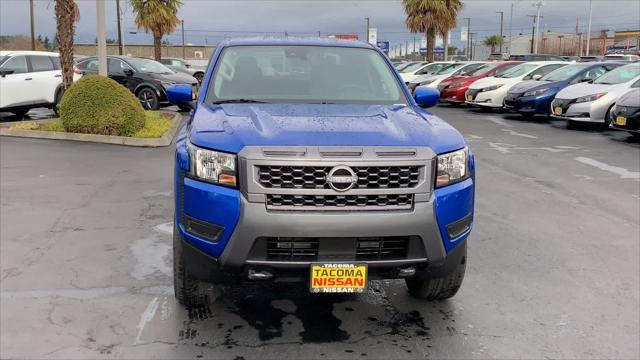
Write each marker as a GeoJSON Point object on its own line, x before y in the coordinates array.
{"type": "Point", "coordinates": [448, 22]}
{"type": "Point", "coordinates": [67, 13]}
{"type": "Point", "coordinates": [493, 41]}
{"type": "Point", "coordinates": [158, 17]}
{"type": "Point", "coordinates": [431, 16]}
{"type": "Point", "coordinates": [452, 49]}
{"type": "Point", "coordinates": [47, 43]}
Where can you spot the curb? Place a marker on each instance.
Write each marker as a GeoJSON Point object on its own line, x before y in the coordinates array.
{"type": "Point", "coordinates": [165, 140]}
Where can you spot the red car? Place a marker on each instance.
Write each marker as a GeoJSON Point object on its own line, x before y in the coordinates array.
{"type": "Point", "coordinates": [452, 89]}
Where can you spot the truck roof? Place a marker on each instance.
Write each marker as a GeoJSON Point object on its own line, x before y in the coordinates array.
{"type": "Point", "coordinates": [295, 41]}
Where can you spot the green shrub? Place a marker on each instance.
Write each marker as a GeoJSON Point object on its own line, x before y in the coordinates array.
{"type": "Point", "coordinates": [155, 126]}
{"type": "Point", "coordinates": [99, 105]}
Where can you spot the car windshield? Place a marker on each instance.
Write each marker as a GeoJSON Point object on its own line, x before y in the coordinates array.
{"type": "Point", "coordinates": [149, 66]}
{"type": "Point", "coordinates": [468, 69]}
{"type": "Point", "coordinates": [411, 68]}
{"type": "Point", "coordinates": [304, 74]}
{"type": "Point", "coordinates": [449, 69]}
{"type": "Point", "coordinates": [563, 73]}
{"type": "Point", "coordinates": [484, 69]}
{"type": "Point", "coordinates": [401, 67]}
{"type": "Point", "coordinates": [519, 70]}
{"type": "Point", "coordinates": [619, 75]}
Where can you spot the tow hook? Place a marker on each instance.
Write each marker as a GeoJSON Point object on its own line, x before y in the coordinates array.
{"type": "Point", "coordinates": [259, 275]}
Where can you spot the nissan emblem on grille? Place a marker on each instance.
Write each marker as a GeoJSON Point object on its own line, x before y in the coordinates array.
{"type": "Point", "coordinates": [342, 178]}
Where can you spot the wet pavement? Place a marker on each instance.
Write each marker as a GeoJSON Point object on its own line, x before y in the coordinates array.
{"type": "Point", "coordinates": [85, 250]}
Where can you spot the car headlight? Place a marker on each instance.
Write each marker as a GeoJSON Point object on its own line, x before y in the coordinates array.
{"type": "Point", "coordinates": [536, 92]}
{"type": "Point", "coordinates": [455, 85]}
{"type": "Point", "coordinates": [452, 168]}
{"type": "Point", "coordinates": [592, 97]}
{"type": "Point", "coordinates": [212, 166]}
{"type": "Point", "coordinates": [491, 88]}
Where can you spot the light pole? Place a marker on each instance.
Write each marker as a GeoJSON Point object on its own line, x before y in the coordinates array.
{"type": "Point", "coordinates": [102, 39]}
{"type": "Point", "coordinates": [184, 57]}
{"type": "Point", "coordinates": [589, 28]}
{"type": "Point", "coordinates": [120, 43]}
{"type": "Point", "coordinates": [501, 26]}
{"type": "Point", "coordinates": [33, 27]}
{"type": "Point", "coordinates": [367, 32]}
{"type": "Point", "coordinates": [537, 28]}
{"type": "Point", "coordinates": [467, 50]}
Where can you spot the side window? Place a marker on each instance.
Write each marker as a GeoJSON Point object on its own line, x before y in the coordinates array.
{"type": "Point", "coordinates": [114, 67]}
{"type": "Point", "coordinates": [17, 63]}
{"type": "Point", "coordinates": [56, 62]}
{"type": "Point", "coordinates": [89, 65]}
{"type": "Point", "coordinates": [636, 84]}
{"type": "Point", "coordinates": [594, 73]}
{"type": "Point", "coordinates": [543, 70]}
{"type": "Point", "coordinates": [40, 63]}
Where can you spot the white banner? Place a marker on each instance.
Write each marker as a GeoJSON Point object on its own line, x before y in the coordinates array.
{"type": "Point", "coordinates": [373, 36]}
{"type": "Point", "coordinates": [464, 33]}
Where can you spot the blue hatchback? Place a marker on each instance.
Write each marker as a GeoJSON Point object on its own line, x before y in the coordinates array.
{"type": "Point", "coordinates": [534, 97]}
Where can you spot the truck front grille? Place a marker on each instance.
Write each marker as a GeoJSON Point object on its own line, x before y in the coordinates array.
{"type": "Point", "coordinates": [314, 177]}
{"type": "Point", "coordinates": [343, 202]}
{"type": "Point", "coordinates": [382, 248]}
{"type": "Point", "coordinates": [292, 248]}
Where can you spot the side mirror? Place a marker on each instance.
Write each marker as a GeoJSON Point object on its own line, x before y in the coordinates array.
{"type": "Point", "coordinates": [187, 65]}
{"type": "Point", "coordinates": [181, 94]}
{"type": "Point", "coordinates": [537, 77]}
{"type": "Point", "coordinates": [587, 80]}
{"type": "Point", "coordinates": [128, 72]}
{"type": "Point", "coordinates": [5, 72]}
{"type": "Point", "coordinates": [426, 96]}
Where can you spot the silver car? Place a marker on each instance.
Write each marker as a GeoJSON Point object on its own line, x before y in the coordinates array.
{"type": "Point", "coordinates": [593, 101]}
{"type": "Point", "coordinates": [184, 67]}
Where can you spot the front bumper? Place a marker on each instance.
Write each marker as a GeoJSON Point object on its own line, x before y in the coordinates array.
{"type": "Point", "coordinates": [243, 223]}
{"type": "Point", "coordinates": [454, 96]}
{"type": "Point", "coordinates": [593, 111]}
{"type": "Point", "coordinates": [529, 104]}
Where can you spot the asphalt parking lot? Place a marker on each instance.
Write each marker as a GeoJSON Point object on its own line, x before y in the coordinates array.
{"type": "Point", "coordinates": [553, 261]}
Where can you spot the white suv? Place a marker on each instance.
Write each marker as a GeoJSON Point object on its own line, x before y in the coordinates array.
{"type": "Point", "coordinates": [29, 79]}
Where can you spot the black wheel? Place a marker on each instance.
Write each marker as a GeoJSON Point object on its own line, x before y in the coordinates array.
{"type": "Point", "coordinates": [571, 124]}
{"type": "Point", "coordinates": [188, 291]}
{"type": "Point", "coordinates": [199, 76]}
{"type": "Point", "coordinates": [148, 99]}
{"type": "Point", "coordinates": [607, 117]}
{"type": "Point", "coordinates": [440, 286]}
{"type": "Point", "coordinates": [56, 102]}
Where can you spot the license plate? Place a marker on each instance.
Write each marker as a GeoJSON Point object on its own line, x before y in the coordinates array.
{"type": "Point", "coordinates": [338, 278]}
{"type": "Point", "coordinates": [621, 120]}
{"type": "Point", "coordinates": [557, 111]}
{"type": "Point", "coordinates": [469, 98]}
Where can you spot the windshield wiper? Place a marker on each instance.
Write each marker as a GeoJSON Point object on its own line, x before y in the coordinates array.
{"type": "Point", "coordinates": [239, 101]}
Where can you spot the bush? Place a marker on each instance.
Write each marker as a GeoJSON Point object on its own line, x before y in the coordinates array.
{"type": "Point", "coordinates": [99, 105]}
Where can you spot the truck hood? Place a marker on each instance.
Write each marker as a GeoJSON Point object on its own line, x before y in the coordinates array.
{"type": "Point", "coordinates": [231, 127]}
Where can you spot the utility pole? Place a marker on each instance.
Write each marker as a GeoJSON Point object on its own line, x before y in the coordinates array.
{"type": "Point", "coordinates": [533, 31]}
{"type": "Point", "coordinates": [467, 50]}
{"type": "Point", "coordinates": [184, 56]}
{"type": "Point", "coordinates": [406, 48]}
{"type": "Point", "coordinates": [367, 32]}
{"type": "Point", "coordinates": [102, 39]}
{"type": "Point", "coordinates": [537, 27]}
{"type": "Point", "coordinates": [319, 34]}
{"type": "Point", "coordinates": [501, 26]}
{"type": "Point", "coordinates": [471, 45]}
{"type": "Point", "coordinates": [510, 27]}
{"type": "Point", "coordinates": [589, 28]}
{"type": "Point", "coordinates": [414, 46]}
{"type": "Point", "coordinates": [33, 27]}
{"type": "Point", "coordinates": [120, 44]}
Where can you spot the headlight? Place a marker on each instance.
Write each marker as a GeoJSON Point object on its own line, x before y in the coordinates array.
{"type": "Point", "coordinates": [455, 85]}
{"type": "Point", "coordinates": [592, 97]}
{"type": "Point", "coordinates": [536, 92]}
{"type": "Point", "coordinates": [212, 166]}
{"type": "Point", "coordinates": [491, 88]}
{"type": "Point", "coordinates": [452, 168]}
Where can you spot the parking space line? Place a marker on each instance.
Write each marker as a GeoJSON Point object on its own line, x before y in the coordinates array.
{"type": "Point", "coordinates": [515, 133]}
{"type": "Point", "coordinates": [620, 171]}
{"type": "Point", "coordinates": [145, 318]}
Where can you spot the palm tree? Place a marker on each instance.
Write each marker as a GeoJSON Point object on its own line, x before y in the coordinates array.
{"type": "Point", "coordinates": [448, 22]}
{"type": "Point", "coordinates": [431, 16]}
{"type": "Point", "coordinates": [493, 41]}
{"type": "Point", "coordinates": [157, 16]}
{"type": "Point", "coordinates": [67, 13]}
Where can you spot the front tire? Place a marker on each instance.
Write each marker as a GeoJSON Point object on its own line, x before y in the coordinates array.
{"type": "Point", "coordinates": [20, 113]}
{"type": "Point", "coordinates": [149, 99]}
{"type": "Point", "coordinates": [188, 291]}
{"type": "Point", "coordinates": [439, 285]}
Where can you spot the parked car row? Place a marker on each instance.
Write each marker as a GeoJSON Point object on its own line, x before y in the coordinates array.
{"type": "Point", "coordinates": [597, 92]}
{"type": "Point", "coordinates": [33, 79]}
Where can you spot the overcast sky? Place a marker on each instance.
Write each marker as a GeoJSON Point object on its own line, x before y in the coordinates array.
{"type": "Point", "coordinates": [209, 21]}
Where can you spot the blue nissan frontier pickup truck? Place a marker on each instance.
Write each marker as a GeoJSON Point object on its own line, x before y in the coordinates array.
{"type": "Point", "coordinates": [307, 160]}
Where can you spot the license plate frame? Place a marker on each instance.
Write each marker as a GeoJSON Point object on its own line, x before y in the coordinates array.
{"type": "Point", "coordinates": [345, 286]}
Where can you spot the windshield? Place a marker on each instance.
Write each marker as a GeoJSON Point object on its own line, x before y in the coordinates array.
{"type": "Point", "coordinates": [401, 67]}
{"type": "Point", "coordinates": [304, 74]}
{"type": "Point", "coordinates": [148, 66]}
{"type": "Point", "coordinates": [563, 73]}
{"type": "Point", "coordinates": [413, 67]}
{"type": "Point", "coordinates": [449, 69]}
{"type": "Point", "coordinates": [468, 69]}
{"type": "Point", "coordinates": [484, 69]}
{"type": "Point", "coordinates": [431, 68]}
{"type": "Point", "coordinates": [619, 75]}
{"type": "Point", "coordinates": [519, 70]}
